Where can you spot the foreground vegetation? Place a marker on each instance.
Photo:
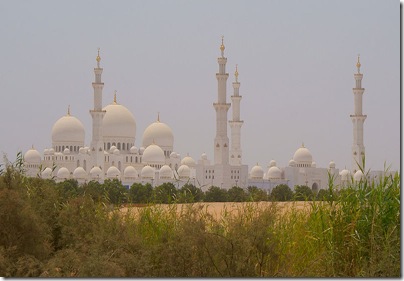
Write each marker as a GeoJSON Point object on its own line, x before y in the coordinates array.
{"type": "Point", "coordinates": [53, 229]}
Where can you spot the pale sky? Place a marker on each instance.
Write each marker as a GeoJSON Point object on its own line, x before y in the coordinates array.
{"type": "Point", "coordinates": [296, 61]}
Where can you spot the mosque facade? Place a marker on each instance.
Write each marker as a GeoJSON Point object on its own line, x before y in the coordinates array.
{"type": "Point", "coordinates": [112, 153]}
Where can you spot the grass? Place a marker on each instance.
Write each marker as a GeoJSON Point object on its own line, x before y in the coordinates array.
{"type": "Point", "coordinates": [355, 233]}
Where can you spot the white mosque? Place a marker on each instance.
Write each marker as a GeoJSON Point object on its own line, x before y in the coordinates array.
{"type": "Point", "coordinates": [112, 153]}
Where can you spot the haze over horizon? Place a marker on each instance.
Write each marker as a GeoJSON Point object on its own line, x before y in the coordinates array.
{"type": "Point", "coordinates": [296, 61]}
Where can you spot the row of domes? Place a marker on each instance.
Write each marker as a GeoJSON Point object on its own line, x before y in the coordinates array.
{"type": "Point", "coordinates": [118, 123]}
{"type": "Point", "coordinates": [147, 172]}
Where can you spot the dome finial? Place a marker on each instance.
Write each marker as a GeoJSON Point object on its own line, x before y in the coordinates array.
{"type": "Point", "coordinates": [98, 59]}
{"type": "Point", "coordinates": [302, 144]}
{"type": "Point", "coordinates": [236, 73]}
{"type": "Point", "coordinates": [68, 110]}
{"type": "Point", "coordinates": [358, 64]}
{"type": "Point", "coordinates": [222, 46]}
{"type": "Point", "coordinates": [115, 97]}
{"type": "Point", "coordinates": [158, 116]}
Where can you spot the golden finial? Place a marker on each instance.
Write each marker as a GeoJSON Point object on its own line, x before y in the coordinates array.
{"type": "Point", "coordinates": [68, 110]}
{"type": "Point", "coordinates": [358, 64]}
{"type": "Point", "coordinates": [115, 97]}
{"type": "Point", "coordinates": [302, 144]}
{"type": "Point", "coordinates": [98, 59]}
{"type": "Point", "coordinates": [158, 116]}
{"type": "Point", "coordinates": [236, 73]}
{"type": "Point", "coordinates": [222, 46]}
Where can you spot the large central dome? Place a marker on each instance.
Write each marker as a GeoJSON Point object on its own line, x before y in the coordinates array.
{"type": "Point", "coordinates": [160, 134]}
{"type": "Point", "coordinates": [303, 156]}
{"type": "Point", "coordinates": [68, 129]}
{"type": "Point", "coordinates": [118, 122]}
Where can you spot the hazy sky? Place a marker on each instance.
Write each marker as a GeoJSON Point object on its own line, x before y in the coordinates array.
{"type": "Point", "coordinates": [296, 63]}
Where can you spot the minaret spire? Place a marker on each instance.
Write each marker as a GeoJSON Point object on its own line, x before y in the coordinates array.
{"type": "Point", "coordinates": [114, 96]}
{"type": "Point", "coordinates": [97, 114]}
{"type": "Point", "coordinates": [358, 65]}
{"type": "Point", "coordinates": [221, 142]}
{"type": "Point", "coordinates": [235, 124]}
{"type": "Point", "coordinates": [358, 120]}
{"type": "Point", "coordinates": [222, 47]}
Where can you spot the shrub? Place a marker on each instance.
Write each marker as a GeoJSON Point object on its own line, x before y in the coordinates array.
{"type": "Point", "coordinates": [281, 192]}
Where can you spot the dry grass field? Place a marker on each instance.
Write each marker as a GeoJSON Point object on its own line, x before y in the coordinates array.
{"type": "Point", "coordinates": [216, 209]}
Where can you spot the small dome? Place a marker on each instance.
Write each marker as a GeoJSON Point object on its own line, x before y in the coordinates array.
{"type": "Point", "coordinates": [45, 151]}
{"type": "Point", "coordinates": [113, 172]}
{"type": "Point", "coordinates": [344, 174]}
{"type": "Point", "coordinates": [358, 176]}
{"type": "Point", "coordinates": [257, 172]}
{"type": "Point", "coordinates": [95, 172]}
{"type": "Point", "coordinates": [204, 156]}
{"type": "Point", "coordinates": [274, 173]}
{"type": "Point", "coordinates": [79, 173]}
{"type": "Point", "coordinates": [32, 156]}
{"type": "Point", "coordinates": [331, 165]}
{"type": "Point", "coordinates": [303, 156]}
{"type": "Point", "coordinates": [116, 152]}
{"type": "Point", "coordinates": [63, 173]}
{"type": "Point", "coordinates": [189, 161]}
{"type": "Point", "coordinates": [153, 154]}
{"type": "Point", "coordinates": [158, 133]}
{"type": "Point", "coordinates": [173, 155]}
{"type": "Point", "coordinates": [51, 151]}
{"type": "Point", "coordinates": [130, 172]}
{"type": "Point", "coordinates": [47, 173]}
{"type": "Point", "coordinates": [82, 150]}
{"type": "Point", "coordinates": [133, 150]}
{"type": "Point", "coordinates": [112, 149]}
{"type": "Point", "coordinates": [68, 129]}
{"type": "Point", "coordinates": [147, 172]}
{"type": "Point", "coordinates": [118, 122]}
{"type": "Point", "coordinates": [141, 150]}
{"type": "Point", "coordinates": [272, 163]}
{"type": "Point", "coordinates": [166, 172]}
{"type": "Point", "coordinates": [313, 164]}
{"type": "Point", "coordinates": [292, 163]}
{"type": "Point", "coordinates": [184, 171]}
{"type": "Point", "coordinates": [66, 151]}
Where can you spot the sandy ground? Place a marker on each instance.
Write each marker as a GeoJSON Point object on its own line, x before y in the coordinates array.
{"type": "Point", "coordinates": [216, 209]}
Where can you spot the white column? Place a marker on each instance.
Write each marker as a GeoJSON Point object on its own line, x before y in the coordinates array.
{"type": "Point", "coordinates": [358, 120]}
{"type": "Point", "coordinates": [97, 114]}
{"type": "Point", "coordinates": [235, 125]}
{"type": "Point", "coordinates": [221, 142]}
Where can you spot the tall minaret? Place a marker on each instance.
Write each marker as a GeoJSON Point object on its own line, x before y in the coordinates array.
{"type": "Point", "coordinates": [358, 148]}
{"type": "Point", "coordinates": [221, 150]}
{"type": "Point", "coordinates": [235, 125]}
{"type": "Point", "coordinates": [97, 145]}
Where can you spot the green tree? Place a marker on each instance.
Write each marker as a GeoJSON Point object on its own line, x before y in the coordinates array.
{"type": "Point", "coordinates": [216, 194]}
{"type": "Point", "coordinates": [303, 193]}
{"type": "Point", "coordinates": [69, 188]}
{"type": "Point", "coordinates": [115, 192]}
{"type": "Point", "coordinates": [139, 193]}
{"type": "Point", "coordinates": [95, 190]}
{"type": "Point", "coordinates": [281, 192]}
{"type": "Point", "coordinates": [256, 194]}
{"type": "Point", "coordinates": [236, 194]}
{"type": "Point", "coordinates": [165, 193]}
{"type": "Point", "coordinates": [190, 193]}
{"type": "Point", "coordinates": [323, 195]}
